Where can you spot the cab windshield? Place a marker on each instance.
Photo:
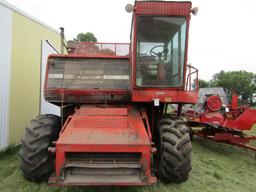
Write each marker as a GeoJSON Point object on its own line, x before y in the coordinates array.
{"type": "Point", "coordinates": [161, 43]}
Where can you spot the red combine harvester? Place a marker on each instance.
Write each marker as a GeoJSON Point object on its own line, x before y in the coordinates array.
{"type": "Point", "coordinates": [221, 121]}
{"type": "Point", "coordinates": [114, 128]}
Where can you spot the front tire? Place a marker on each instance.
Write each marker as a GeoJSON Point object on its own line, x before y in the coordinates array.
{"type": "Point", "coordinates": [37, 164]}
{"type": "Point", "coordinates": [174, 151]}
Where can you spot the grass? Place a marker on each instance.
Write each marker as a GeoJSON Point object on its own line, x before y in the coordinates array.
{"type": "Point", "coordinates": [216, 167]}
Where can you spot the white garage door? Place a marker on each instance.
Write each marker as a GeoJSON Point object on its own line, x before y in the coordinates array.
{"type": "Point", "coordinates": [46, 107]}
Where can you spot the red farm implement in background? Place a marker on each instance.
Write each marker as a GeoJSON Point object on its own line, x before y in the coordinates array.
{"type": "Point", "coordinates": [114, 127]}
{"type": "Point", "coordinates": [221, 121]}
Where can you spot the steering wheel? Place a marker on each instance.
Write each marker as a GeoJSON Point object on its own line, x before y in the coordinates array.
{"type": "Point", "coordinates": [159, 54]}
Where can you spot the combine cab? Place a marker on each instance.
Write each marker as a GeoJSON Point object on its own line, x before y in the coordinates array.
{"type": "Point", "coordinates": [114, 127]}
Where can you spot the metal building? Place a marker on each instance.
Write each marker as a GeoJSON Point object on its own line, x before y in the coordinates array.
{"type": "Point", "coordinates": [25, 43]}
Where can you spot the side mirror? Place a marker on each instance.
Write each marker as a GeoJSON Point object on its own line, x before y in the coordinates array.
{"type": "Point", "coordinates": [194, 10]}
{"type": "Point", "coordinates": [129, 8]}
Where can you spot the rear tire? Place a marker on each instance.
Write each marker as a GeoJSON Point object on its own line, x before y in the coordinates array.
{"type": "Point", "coordinates": [37, 164]}
{"type": "Point", "coordinates": [174, 151]}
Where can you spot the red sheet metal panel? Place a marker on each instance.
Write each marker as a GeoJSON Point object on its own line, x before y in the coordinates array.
{"type": "Point", "coordinates": [107, 130]}
{"type": "Point", "coordinates": [104, 122]}
{"type": "Point", "coordinates": [213, 118]}
{"type": "Point", "coordinates": [165, 95]}
{"type": "Point", "coordinates": [244, 122]}
{"type": "Point", "coordinates": [92, 110]}
{"type": "Point", "coordinates": [100, 133]}
{"type": "Point", "coordinates": [162, 8]}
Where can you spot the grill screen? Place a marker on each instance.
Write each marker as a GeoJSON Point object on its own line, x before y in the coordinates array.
{"type": "Point", "coordinates": [87, 80]}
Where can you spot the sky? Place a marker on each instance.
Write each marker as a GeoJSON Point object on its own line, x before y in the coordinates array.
{"type": "Point", "coordinates": [222, 34]}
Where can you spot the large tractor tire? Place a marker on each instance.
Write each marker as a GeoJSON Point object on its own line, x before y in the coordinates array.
{"type": "Point", "coordinates": [37, 164]}
{"type": "Point", "coordinates": [174, 151]}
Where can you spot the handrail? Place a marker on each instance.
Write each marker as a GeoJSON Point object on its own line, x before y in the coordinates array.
{"type": "Point", "coordinates": [189, 84]}
{"type": "Point", "coordinates": [96, 48]}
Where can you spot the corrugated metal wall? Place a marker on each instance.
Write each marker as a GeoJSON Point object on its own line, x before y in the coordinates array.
{"type": "Point", "coordinates": [5, 66]}
{"type": "Point", "coordinates": [25, 72]}
{"type": "Point", "coordinates": [20, 64]}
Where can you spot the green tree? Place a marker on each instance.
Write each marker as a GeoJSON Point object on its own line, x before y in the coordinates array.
{"type": "Point", "coordinates": [241, 82]}
{"type": "Point", "coordinates": [86, 37]}
{"type": "Point", "coordinates": [202, 83]}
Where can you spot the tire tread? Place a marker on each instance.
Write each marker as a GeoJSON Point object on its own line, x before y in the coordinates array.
{"type": "Point", "coordinates": [175, 148]}
{"type": "Point", "coordinates": [36, 162]}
